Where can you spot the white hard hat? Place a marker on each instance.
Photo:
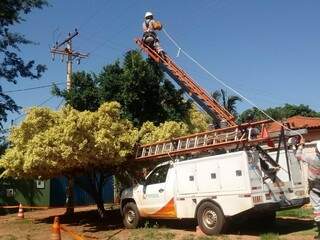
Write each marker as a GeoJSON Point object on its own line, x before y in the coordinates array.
{"type": "Point", "coordinates": [148, 14]}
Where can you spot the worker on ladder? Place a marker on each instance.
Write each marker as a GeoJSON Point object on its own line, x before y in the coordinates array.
{"type": "Point", "coordinates": [150, 38]}
{"type": "Point", "coordinates": [313, 179]}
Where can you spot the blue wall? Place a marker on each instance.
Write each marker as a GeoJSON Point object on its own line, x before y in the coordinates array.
{"type": "Point", "coordinates": [58, 190]}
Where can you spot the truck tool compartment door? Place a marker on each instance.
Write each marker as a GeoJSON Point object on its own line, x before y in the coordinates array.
{"type": "Point", "coordinates": [186, 178]}
{"type": "Point", "coordinates": [154, 192]}
{"type": "Point", "coordinates": [233, 172]}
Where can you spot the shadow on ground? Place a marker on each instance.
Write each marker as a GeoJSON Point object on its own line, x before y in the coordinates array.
{"type": "Point", "coordinates": [90, 220]}
{"type": "Point", "coordinates": [280, 226]}
{"type": "Point", "coordinates": [92, 223]}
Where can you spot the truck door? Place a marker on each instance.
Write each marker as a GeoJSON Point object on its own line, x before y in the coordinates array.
{"type": "Point", "coordinates": [154, 192]}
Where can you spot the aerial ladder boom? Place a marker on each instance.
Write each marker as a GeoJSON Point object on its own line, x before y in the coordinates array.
{"type": "Point", "coordinates": [232, 138]}
{"type": "Point", "coordinates": [197, 93]}
{"type": "Point", "coordinates": [227, 138]}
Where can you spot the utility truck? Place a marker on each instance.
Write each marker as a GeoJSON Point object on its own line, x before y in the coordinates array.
{"type": "Point", "coordinates": [214, 175]}
{"type": "Point", "coordinates": [213, 188]}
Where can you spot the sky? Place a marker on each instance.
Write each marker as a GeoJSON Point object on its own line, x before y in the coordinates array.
{"type": "Point", "coordinates": [269, 51]}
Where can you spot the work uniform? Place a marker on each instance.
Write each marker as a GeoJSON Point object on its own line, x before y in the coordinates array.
{"type": "Point", "coordinates": [314, 182]}
{"type": "Point", "coordinates": [148, 29]}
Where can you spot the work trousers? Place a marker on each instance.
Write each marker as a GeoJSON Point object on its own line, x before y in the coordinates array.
{"type": "Point", "coordinates": [156, 43]}
{"type": "Point", "coordinates": [315, 202]}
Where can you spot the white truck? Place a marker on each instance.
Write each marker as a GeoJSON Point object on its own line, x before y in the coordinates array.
{"type": "Point", "coordinates": [211, 189]}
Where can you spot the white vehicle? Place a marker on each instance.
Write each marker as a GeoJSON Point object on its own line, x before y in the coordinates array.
{"type": "Point", "coordinates": [213, 188]}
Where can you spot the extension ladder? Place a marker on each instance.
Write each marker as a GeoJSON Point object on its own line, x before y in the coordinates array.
{"type": "Point", "coordinates": [198, 94]}
{"type": "Point", "coordinates": [224, 138]}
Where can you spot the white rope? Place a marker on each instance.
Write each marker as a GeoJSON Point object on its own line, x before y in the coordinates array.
{"type": "Point", "coordinates": [226, 85]}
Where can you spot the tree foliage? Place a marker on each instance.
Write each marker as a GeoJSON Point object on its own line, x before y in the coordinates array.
{"type": "Point", "coordinates": [278, 113]}
{"type": "Point", "coordinates": [229, 102]}
{"type": "Point", "coordinates": [93, 144]}
{"type": "Point", "coordinates": [150, 133]}
{"type": "Point", "coordinates": [83, 95]}
{"type": "Point", "coordinates": [68, 141]}
{"type": "Point", "coordinates": [137, 84]}
{"type": "Point", "coordinates": [12, 66]}
{"type": "Point", "coordinates": [140, 87]}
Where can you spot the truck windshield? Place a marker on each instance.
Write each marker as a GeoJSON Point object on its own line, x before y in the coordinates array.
{"type": "Point", "coordinates": [159, 175]}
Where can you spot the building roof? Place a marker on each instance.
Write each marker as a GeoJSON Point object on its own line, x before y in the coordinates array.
{"type": "Point", "coordinates": [297, 122]}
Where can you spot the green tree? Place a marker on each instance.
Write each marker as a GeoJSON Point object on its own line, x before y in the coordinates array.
{"type": "Point", "coordinates": [137, 84]}
{"type": "Point", "coordinates": [278, 113]}
{"type": "Point", "coordinates": [229, 102]}
{"type": "Point", "coordinates": [83, 95]}
{"type": "Point", "coordinates": [141, 89]}
{"type": "Point", "coordinates": [12, 66]}
{"type": "Point", "coordinates": [69, 142]}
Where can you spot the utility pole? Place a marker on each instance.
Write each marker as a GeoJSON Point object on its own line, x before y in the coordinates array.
{"type": "Point", "coordinates": [65, 50]}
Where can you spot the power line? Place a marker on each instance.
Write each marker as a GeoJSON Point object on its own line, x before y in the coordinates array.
{"type": "Point", "coordinates": [33, 88]}
{"type": "Point", "coordinates": [91, 16]}
{"type": "Point", "coordinates": [39, 105]}
{"type": "Point", "coordinates": [105, 42]}
{"type": "Point", "coordinates": [59, 105]}
{"type": "Point", "coordinates": [101, 27]}
{"type": "Point", "coordinates": [113, 46]}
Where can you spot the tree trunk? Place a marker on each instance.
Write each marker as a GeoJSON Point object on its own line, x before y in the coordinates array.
{"type": "Point", "coordinates": [69, 196]}
{"type": "Point", "coordinates": [100, 207]}
{"type": "Point", "coordinates": [94, 187]}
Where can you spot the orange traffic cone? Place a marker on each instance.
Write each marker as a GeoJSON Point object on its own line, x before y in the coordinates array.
{"type": "Point", "coordinates": [20, 213]}
{"type": "Point", "coordinates": [55, 231]}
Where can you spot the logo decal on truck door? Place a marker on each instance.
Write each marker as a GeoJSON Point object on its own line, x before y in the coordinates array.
{"type": "Point", "coordinates": [168, 211]}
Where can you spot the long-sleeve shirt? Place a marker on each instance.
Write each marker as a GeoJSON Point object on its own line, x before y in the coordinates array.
{"type": "Point", "coordinates": [147, 25]}
{"type": "Point", "coordinates": [313, 164]}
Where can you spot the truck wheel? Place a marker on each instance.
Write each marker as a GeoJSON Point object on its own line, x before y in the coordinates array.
{"type": "Point", "coordinates": [210, 218]}
{"type": "Point", "coordinates": [131, 215]}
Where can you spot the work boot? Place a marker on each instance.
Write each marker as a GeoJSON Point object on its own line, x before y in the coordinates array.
{"type": "Point", "coordinates": [317, 237]}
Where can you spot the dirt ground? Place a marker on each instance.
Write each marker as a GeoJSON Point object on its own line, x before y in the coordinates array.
{"type": "Point", "coordinates": [37, 226]}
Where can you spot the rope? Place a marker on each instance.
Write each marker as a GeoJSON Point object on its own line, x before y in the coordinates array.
{"type": "Point", "coordinates": [226, 85]}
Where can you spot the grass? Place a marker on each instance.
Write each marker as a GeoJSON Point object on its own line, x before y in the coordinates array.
{"type": "Point", "coordinates": [156, 233]}
{"type": "Point", "coordinates": [193, 237]}
{"type": "Point", "coordinates": [298, 213]}
{"type": "Point", "coordinates": [151, 233]}
{"type": "Point", "coordinates": [270, 236]}
{"type": "Point", "coordinates": [8, 237]}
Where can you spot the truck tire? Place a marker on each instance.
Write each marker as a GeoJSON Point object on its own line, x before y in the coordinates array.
{"type": "Point", "coordinates": [131, 216]}
{"type": "Point", "coordinates": [210, 218]}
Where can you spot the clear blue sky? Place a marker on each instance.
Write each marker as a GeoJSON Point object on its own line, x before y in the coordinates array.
{"type": "Point", "coordinates": [267, 50]}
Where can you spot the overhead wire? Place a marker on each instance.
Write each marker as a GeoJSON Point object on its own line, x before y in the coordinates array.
{"type": "Point", "coordinates": [91, 16]}
{"type": "Point", "coordinates": [34, 88]}
{"type": "Point", "coordinates": [39, 105]}
{"type": "Point", "coordinates": [224, 84]}
{"type": "Point", "coordinates": [60, 103]}
{"type": "Point", "coordinates": [107, 41]}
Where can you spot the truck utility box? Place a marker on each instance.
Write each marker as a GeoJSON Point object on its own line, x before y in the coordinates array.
{"type": "Point", "coordinates": [213, 188]}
